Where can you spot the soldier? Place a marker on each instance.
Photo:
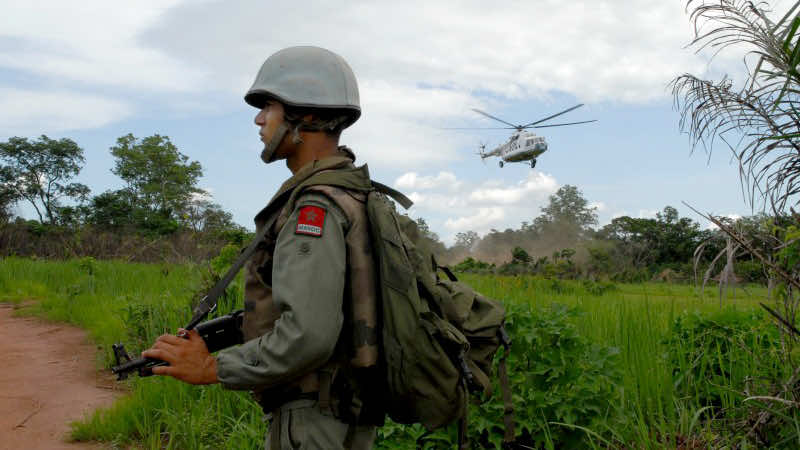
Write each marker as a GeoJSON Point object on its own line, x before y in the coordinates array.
{"type": "Point", "coordinates": [310, 318]}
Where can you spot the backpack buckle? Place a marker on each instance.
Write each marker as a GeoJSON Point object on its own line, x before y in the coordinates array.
{"type": "Point", "coordinates": [505, 339]}
{"type": "Point", "coordinates": [469, 377]}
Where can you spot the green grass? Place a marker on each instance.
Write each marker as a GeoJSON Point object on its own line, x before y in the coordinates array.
{"type": "Point", "coordinates": [134, 303]}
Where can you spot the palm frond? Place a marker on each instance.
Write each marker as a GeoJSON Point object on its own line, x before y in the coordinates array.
{"type": "Point", "coordinates": [760, 122]}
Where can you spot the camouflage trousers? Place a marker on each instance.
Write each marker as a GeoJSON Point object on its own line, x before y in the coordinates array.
{"type": "Point", "coordinates": [301, 424]}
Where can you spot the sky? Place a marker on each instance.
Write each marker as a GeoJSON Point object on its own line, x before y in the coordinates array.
{"type": "Point", "coordinates": [93, 71]}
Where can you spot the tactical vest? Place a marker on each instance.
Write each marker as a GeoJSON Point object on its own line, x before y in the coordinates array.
{"type": "Point", "coordinates": [358, 343]}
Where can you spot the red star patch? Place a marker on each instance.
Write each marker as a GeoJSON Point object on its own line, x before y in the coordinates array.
{"type": "Point", "coordinates": [310, 221]}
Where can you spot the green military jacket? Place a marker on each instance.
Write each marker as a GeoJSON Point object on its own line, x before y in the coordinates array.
{"type": "Point", "coordinates": [300, 287]}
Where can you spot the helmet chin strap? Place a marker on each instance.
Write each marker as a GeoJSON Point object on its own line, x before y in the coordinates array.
{"type": "Point", "coordinates": [268, 154]}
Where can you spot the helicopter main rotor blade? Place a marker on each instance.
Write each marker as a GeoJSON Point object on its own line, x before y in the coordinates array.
{"type": "Point", "coordinates": [554, 115]}
{"type": "Point", "coordinates": [495, 118]}
{"type": "Point", "coordinates": [480, 128]}
{"type": "Point", "coordinates": [562, 124]}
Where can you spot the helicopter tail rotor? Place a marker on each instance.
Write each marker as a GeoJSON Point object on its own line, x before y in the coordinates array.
{"type": "Point", "coordinates": [481, 152]}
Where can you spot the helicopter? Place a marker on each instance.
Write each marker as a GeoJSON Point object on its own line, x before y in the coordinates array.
{"type": "Point", "coordinates": [523, 145]}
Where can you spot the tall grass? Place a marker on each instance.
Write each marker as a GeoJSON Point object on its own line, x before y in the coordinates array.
{"type": "Point", "coordinates": [134, 303]}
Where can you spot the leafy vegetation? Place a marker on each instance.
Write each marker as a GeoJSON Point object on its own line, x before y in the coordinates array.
{"type": "Point", "coordinates": [161, 205]}
{"type": "Point", "coordinates": [40, 172]}
{"type": "Point", "coordinates": [593, 363]}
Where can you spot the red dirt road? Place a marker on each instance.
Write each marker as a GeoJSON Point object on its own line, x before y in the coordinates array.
{"type": "Point", "coordinates": [47, 379]}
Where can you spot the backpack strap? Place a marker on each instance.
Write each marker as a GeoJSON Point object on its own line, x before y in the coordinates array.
{"type": "Point", "coordinates": [395, 194]}
{"type": "Point", "coordinates": [356, 179]}
{"type": "Point", "coordinates": [463, 427]}
{"type": "Point", "coordinates": [508, 405]}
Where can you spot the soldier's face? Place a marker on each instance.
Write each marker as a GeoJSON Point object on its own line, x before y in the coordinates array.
{"type": "Point", "coordinates": [268, 120]}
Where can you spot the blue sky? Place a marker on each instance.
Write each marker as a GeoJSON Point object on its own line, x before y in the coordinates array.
{"type": "Point", "coordinates": [97, 71]}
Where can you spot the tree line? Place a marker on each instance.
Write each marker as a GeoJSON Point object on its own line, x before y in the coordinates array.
{"type": "Point", "coordinates": [161, 199]}
{"type": "Point", "coordinates": [565, 241]}
{"type": "Point", "coordinates": [161, 195]}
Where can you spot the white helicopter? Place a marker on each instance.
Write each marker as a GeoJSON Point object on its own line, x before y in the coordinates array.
{"type": "Point", "coordinates": [523, 145]}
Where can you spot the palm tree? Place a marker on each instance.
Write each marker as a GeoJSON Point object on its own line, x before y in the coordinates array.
{"type": "Point", "coordinates": [760, 121]}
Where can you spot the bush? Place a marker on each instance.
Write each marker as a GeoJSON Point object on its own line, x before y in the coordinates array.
{"type": "Point", "coordinates": [751, 271]}
{"type": "Point", "coordinates": [720, 359]}
{"type": "Point", "coordinates": [557, 377]}
{"type": "Point", "coordinates": [513, 269]}
{"type": "Point", "coordinates": [473, 265]}
{"type": "Point", "coordinates": [631, 275]}
{"type": "Point", "coordinates": [598, 288]}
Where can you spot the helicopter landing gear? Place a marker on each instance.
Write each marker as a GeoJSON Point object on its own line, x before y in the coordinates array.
{"type": "Point", "coordinates": [533, 163]}
{"type": "Point", "coordinates": [501, 164]}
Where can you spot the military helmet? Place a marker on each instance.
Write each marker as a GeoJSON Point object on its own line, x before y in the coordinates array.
{"type": "Point", "coordinates": [307, 77]}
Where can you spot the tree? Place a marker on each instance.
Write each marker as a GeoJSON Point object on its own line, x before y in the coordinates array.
{"type": "Point", "coordinates": [203, 215]}
{"type": "Point", "coordinates": [112, 209]}
{"type": "Point", "coordinates": [568, 205]}
{"type": "Point", "coordinates": [425, 229]}
{"type": "Point", "coordinates": [568, 214]}
{"type": "Point", "coordinates": [667, 239]}
{"type": "Point", "coordinates": [160, 179]}
{"type": "Point", "coordinates": [8, 196]}
{"type": "Point", "coordinates": [40, 172]}
{"type": "Point", "coordinates": [759, 122]}
{"type": "Point", "coordinates": [520, 256]}
{"type": "Point", "coordinates": [467, 239]}
{"type": "Point", "coordinates": [431, 239]}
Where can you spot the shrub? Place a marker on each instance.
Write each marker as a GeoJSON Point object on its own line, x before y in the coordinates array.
{"type": "Point", "coordinates": [557, 377]}
{"type": "Point", "coordinates": [751, 271]}
{"type": "Point", "coordinates": [598, 288]}
{"type": "Point", "coordinates": [720, 359]}
{"type": "Point", "coordinates": [473, 265]}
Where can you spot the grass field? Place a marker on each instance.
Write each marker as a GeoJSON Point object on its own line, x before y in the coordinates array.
{"type": "Point", "coordinates": [672, 364]}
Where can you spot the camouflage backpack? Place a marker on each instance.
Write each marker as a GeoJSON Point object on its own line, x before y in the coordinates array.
{"type": "Point", "coordinates": [438, 336]}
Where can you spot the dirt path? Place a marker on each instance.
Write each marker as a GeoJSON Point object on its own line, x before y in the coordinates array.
{"type": "Point", "coordinates": [47, 379]}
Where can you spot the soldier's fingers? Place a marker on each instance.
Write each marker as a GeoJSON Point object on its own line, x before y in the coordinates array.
{"type": "Point", "coordinates": [174, 349]}
{"type": "Point", "coordinates": [193, 335]}
{"type": "Point", "coordinates": [157, 353]}
{"type": "Point", "coordinates": [169, 339]}
{"type": "Point", "coordinates": [164, 370]}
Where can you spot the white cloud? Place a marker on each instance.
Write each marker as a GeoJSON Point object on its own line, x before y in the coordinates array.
{"type": "Point", "coordinates": [481, 207]}
{"type": "Point", "coordinates": [598, 50]}
{"type": "Point", "coordinates": [32, 112]}
{"type": "Point", "coordinates": [412, 180]}
{"type": "Point", "coordinates": [438, 202]}
{"type": "Point", "coordinates": [92, 42]}
{"type": "Point", "coordinates": [648, 213]}
{"type": "Point", "coordinates": [483, 218]}
{"type": "Point", "coordinates": [420, 65]}
{"type": "Point", "coordinates": [537, 186]}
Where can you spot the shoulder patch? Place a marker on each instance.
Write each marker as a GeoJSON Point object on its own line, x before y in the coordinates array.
{"type": "Point", "coordinates": [310, 221]}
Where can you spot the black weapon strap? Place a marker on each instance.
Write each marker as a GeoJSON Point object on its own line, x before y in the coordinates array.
{"type": "Point", "coordinates": [209, 303]}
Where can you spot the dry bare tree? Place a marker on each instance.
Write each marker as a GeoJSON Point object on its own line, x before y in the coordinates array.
{"type": "Point", "coordinates": [727, 276]}
{"type": "Point", "coordinates": [759, 121]}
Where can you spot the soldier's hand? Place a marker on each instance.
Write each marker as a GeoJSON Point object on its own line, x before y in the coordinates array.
{"type": "Point", "coordinates": [188, 358]}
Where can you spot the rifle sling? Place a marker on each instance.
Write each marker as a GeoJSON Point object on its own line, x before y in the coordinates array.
{"type": "Point", "coordinates": [209, 302]}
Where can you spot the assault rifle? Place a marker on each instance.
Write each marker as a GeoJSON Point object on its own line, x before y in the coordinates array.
{"type": "Point", "coordinates": [219, 333]}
